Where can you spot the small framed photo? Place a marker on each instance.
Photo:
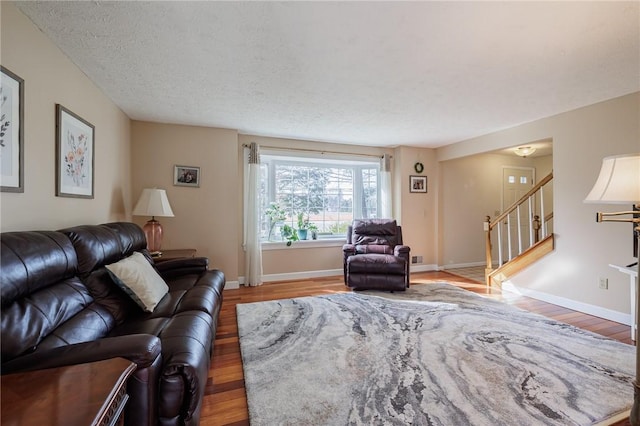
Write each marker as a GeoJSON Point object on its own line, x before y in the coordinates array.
{"type": "Point", "coordinates": [186, 176]}
{"type": "Point", "coordinates": [11, 132]}
{"type": "Point", "coordinates": [418, 184]}
{"type": "Point", "coordinates": [75, 143]}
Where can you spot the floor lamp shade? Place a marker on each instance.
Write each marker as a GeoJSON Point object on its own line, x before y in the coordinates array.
{"type": "Point", "coordinates": [153, 202]}
{"type": "Point", "coordinates": [618, 182]}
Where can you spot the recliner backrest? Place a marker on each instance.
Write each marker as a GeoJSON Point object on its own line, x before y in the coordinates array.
{"type": "Point", "coordinates": [44, 303]}
{"type": "Point", "coordinates": [100, 245]}
{"type": "Point", "coordinates": [375, 232]}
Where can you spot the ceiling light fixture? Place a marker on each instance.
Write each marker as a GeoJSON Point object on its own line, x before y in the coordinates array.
{"type": "Point", "coordinates": [524, 151]}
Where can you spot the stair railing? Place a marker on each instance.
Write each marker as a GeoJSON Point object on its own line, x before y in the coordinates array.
{"type": "Point", "coordinates": [538, 229]}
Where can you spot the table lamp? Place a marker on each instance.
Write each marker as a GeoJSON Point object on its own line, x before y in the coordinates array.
{"type": "Point", "coordinates": [153, 202]}
{"type": "Point", "coordinates": [619, 183]}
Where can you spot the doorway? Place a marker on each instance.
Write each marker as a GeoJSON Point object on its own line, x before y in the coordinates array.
{"type": "Point", "coordinates": [516, 182]}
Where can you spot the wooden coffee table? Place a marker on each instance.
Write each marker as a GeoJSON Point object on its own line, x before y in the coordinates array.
{"type": "Point", "coordinates": [83, 394]}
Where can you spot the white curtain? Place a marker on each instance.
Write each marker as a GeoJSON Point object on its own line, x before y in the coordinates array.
{"type": "Point", "coordinates": [252, 247]}
{"type": "Point", "coordinates": [385, 187]}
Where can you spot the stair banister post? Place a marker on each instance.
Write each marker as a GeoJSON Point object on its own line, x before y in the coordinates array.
{"type": "Point", "coordinates": [487, 231]}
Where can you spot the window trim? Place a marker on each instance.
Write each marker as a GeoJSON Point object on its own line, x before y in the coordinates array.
{"type": "Point", "coordinates": [354, 161]}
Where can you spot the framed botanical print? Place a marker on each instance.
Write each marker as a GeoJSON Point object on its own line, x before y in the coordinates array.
{"type": "Point", "coordinates": [11, 132]}
{"type": "Point", "coordinates": [75, 143]}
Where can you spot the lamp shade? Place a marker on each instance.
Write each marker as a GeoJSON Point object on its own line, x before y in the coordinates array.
{"type": "Point", "coordinates": [618, 182]}
{"type": "Point", "coordinates": [153, 202]}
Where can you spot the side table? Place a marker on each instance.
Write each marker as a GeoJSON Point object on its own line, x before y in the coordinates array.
{"type": "Point", "coordinates": [94, 393]}
{"type": "Point", "coordinates": [633, 288]}
{"type": "Point", "coordinates": [174, 254]}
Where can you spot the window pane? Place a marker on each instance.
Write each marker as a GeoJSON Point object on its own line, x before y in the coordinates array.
{"type": "Point", "coordinates": [325, 193]}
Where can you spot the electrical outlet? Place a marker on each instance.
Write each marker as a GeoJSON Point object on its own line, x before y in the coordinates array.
{"type": "Point", "coordinates": [414, 259]}
{"type": "Point", "coordinates": [603, 283]}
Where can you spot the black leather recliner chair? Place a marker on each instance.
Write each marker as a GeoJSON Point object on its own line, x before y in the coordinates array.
{"type": "Point", "coordinates": [374, 256]}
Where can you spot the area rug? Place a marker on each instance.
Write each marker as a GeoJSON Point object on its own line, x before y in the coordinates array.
{"type": "Point", "coordinates": [433, 355]}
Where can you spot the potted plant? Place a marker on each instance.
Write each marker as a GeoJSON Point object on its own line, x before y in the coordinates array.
{"type": "Point", "coordinates": [275, 215]}
{"type": "Point", "coordinates": [314, 231]}
{"type": "Point", "coordinates": [289, 234]}
{"type": "Point", "coordinates": [303, 226]}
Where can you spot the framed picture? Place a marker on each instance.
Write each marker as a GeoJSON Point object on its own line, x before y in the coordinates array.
{"type": "Point", "coordinates": [186, 176]}
{"type": "Point", "coordinates": [75, 143]}
{"type": "Point", "coordinates": [418, 184]}
{"type": "Point", "coordinates": [11, 132]}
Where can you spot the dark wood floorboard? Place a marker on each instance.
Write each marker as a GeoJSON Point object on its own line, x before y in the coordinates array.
{"type": "Point", "coordinates": [225, 401]}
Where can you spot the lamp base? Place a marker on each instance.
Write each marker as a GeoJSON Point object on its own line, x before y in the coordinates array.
{"type": "Point", "coordinates": [153, 231]}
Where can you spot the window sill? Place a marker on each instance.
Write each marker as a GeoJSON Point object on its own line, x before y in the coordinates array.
{"type": "Point", "coordinates": [304, 244]}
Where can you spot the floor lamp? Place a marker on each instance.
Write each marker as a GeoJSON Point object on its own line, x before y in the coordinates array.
{"type": "Point", "coordinates": [153, 202]}
{"type": "Point", "coordinates": [619, 183]}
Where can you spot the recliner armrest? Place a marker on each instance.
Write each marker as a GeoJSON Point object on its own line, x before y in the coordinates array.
{"type": "Point", "coordinates": [349, 249]}
{"type": "Point", "coordinates": [401, 251]}
{"type": "Point", "coordinates": [142, 349]}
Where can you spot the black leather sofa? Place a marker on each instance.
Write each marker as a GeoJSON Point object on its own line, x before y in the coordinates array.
{"type": "Point", "coordinates": [60, 306]}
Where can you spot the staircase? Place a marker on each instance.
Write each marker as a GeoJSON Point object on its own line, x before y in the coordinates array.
{"type": "Point", "coordinates": [531, 240]}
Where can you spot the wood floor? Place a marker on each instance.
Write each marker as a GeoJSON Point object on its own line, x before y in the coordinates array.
{"type": "Point", "coordinates": [225, 401]}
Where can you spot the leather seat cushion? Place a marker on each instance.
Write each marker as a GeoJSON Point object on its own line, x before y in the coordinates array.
{"type": "Point", "coordinates": [376, 264]}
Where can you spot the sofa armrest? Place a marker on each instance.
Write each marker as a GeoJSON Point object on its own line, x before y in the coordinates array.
{"type": "Point", "coordinates": [142, 349]}
{"type": "Point", "coordinates": [176, 267]}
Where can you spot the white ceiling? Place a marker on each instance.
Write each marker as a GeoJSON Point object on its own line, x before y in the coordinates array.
{"type": "Point", "coordinates": [374, 73]}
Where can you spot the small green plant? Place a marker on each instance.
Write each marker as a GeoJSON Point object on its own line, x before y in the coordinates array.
{"type": "Point", "coordinates": [302, 222]}
{"type": "Point", "coordinates": [275, 214]}
{"type": "Point", "coordinates": [314, 231]}
{"type": "Point", "coordinates": [289, 234]}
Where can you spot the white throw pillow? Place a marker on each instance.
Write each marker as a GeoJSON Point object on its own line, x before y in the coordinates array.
{"type": "Point", "coordinates": [138, 279]}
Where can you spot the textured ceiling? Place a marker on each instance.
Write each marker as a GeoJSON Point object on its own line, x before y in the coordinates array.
{"type": "Point", "coordinates": [373, 73]}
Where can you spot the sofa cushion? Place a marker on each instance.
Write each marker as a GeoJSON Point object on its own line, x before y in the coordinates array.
{"type": "Point", "coordinates": [32, 260]}
{"type": "Point", "coordinates": [99, 245]}
{"type": "Point", "coordinates": [44, 305]}
{"type": "Point", "coordinates": [136, 276]}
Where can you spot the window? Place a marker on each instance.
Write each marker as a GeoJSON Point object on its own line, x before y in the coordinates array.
{"type": "Point", "coordinates": [323, 194]}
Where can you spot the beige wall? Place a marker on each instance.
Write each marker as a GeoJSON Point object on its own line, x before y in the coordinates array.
{"type": "Point", "coordinates": [584, 248]}
{"type": "Point", "coordinates": [50, 78]}
{"type": "Point", "coordinates": [471, 189]}
{"type": "Point", "coordinates": [206, 218]}
{"type": "Point", "coordinates": [417, 212]}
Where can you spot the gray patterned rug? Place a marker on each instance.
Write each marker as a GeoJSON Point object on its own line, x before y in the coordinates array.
{"type": "Point", "coordinates": [435, 355]}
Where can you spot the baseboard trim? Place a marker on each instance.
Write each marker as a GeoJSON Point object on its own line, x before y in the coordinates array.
{"type": "Point", "coordinates": [464, 265]}
{"type": "Point", "coordinates": [290, 276]}
{"type": "Point", "coordinates": [423, 268]}
{"type": "Point", "coordinates": [232, 285]}
{"type": "Point", "coordinates": [586, 308]}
